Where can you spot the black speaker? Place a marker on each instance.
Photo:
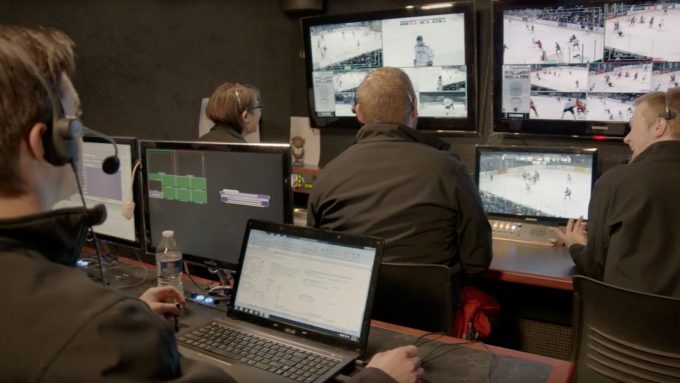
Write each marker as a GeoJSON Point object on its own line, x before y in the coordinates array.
{"type": "Point", "coordinates": [296, 8]}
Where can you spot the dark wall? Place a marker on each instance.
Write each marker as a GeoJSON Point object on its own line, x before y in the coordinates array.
{"type": "Point", "coordinates": [144, 65]}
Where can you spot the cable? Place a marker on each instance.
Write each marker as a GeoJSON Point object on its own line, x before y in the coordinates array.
{"type": "Point", "coordinates": [424, 359]}
{"type": "Point", "coordinates": [94, 236]}
{"type": "Point", "coordinates": [418, 339]}
{"type": "Point", "coordinates": [146, 273]}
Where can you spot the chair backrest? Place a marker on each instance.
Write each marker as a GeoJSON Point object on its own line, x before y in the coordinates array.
{"type": "Point", "coordinates": [623, 335]}
{"type": "Point", "coordinates": [415, 295]}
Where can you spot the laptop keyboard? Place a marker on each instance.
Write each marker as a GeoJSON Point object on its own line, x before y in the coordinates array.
{"type": "Point", "coordinates": [294, 363]}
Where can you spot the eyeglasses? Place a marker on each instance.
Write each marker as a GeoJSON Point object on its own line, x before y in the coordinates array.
{"type": "Point", "coordinates": [238, 102]}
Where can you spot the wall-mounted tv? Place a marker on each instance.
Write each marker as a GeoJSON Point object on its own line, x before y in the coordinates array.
{"type": "Point", "coordinates": [575, 68]}
{"type": "Point", "coordinates": [435, 47]}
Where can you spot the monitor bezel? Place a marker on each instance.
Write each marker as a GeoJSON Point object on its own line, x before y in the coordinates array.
{"type": "Point", "coordinates": [594, 130]}
{"type": "Point", "coordinates": [535, 149]}
{"type": "Point", "coordinates": [136, 192]}
{"type": "Point", "coordinates": [442, 126]}
{"type": "Point", "coordinates": [282, 149]}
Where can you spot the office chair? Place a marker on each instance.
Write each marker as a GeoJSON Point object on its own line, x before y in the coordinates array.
{"type": "Point", "coordinates": [415, 295]}
{"type": "Point", "coordinates": [623, 335]}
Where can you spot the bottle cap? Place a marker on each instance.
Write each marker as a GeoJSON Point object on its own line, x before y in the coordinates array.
{"type": "Point", "coordinates": [168, 233]}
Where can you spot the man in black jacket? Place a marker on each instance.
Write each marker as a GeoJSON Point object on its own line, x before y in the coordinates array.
{"type": "Point", "coordinates": [398, 184]}
{"type": "Point", "coordinates": [56, 325]}
{"type": "Point", "coordinates": [632, 239]}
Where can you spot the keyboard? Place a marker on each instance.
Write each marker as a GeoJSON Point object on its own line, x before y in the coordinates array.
{"type": "Point", "coordinates": [281, 359]}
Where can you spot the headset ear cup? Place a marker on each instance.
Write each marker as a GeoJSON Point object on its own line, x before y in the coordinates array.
{"type": "Point", "coordinates": [60, 146]}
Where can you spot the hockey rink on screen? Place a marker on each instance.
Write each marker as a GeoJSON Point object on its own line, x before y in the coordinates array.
{"type": "Point", "coordinates": [638, 80]}
{"type": "Point", "coordinates": [666, 78]}
{"type": "Point", "coordinates": [547, 194]}
{"type": "Point", "coordinates": [551, 107]}
{"type": "Point", "coordinates": [560, 78]}
{"type": "Point", "coordinates": [344, 42]}
{"type": "Point", "coordinates": [428, 77]}
{"type": "Point", "coordinates": [603, 107]}
{"type": "Point", "coordinates": [660, 42]}
{"type": "Point", "coordinates": [521, 49]}
{"type": "Point", "coordinates": [445, 34]}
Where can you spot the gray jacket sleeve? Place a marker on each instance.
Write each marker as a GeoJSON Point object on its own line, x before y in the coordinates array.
{"type": "Point", "coordinates": [127, 342]}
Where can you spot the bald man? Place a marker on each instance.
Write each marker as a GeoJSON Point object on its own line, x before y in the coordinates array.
{"type": "Point", "coordinates": [398, 184]}
{"type": "Point", "coordinates": [632, 236]}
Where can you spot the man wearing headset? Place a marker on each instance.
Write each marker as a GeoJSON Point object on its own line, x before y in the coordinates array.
{"type": "Point", "coordinates": [631, 239]}
{"type": "Point", "coordinates": [56, 324]}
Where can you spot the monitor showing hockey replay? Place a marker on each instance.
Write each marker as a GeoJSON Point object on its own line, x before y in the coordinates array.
{"type": "Point", "coordinates": [550, 184]}
{"type": "Point", "coordinates": [577, 68]}
{"type": "Point", "coordinates": [434, 47]}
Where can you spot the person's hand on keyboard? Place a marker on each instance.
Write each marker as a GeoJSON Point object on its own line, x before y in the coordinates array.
{"type": "Point", "coordinates": [401, 363]}
{"type": "Point", "coordinates": [163, 300]}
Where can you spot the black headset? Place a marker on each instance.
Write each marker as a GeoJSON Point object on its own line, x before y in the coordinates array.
{"type": "Point", "coordinates": [61, 139]}
{"type": "Point", "coordinates": [668, 114]}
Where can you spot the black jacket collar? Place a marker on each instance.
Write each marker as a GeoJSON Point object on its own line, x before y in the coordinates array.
{"type": "Point", "coordinates": [663, 150]}
{"type": "Point", "coordinates": [396, 132]}
{"type": "Point", "coordinates": [58, 235]}
{"type": "Point", "coordinates": [230, 131]}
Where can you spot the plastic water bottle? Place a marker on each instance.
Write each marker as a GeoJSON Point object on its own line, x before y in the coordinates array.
{"type": "Point", "coordinates": [169, 262]}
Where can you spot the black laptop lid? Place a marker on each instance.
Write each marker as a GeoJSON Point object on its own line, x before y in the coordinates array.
{"type": "Point", "coordinates": [312, 283]}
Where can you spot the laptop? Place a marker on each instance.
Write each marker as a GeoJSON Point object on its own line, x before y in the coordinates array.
{"type": "Point", "coordinates": [301, 306]}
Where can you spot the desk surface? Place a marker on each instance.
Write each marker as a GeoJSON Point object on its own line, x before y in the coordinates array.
{"type": "Point", "coordinates": [448, 359]}
{"type": "Point", "coordinates": [467, 363]}
{"type": "Point", "coordinates": [546, 266]}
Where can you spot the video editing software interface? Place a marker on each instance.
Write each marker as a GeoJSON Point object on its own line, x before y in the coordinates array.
{"type": "Point", "coordinates": [429, 48]}
{"type": "Point", "coordinates": [314, 284]}
{"type": "Point", "coordinates": [587, 62]}
{"type": "Point", "coordinates": [547, 184]}
{"type": "Point", "coordinates": [207, 195]}
{"type": "Point", "coordinates": [111, 190]}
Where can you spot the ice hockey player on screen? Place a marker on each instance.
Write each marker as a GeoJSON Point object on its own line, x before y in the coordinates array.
{"type": "Point", "coordinates": [567, 193]}
{"type": "Point", "coordinates": [569, 107]}
{"type": "Point", "coordinates": [424, 54]}
{"type": "Point", "coordinates": [448, 104]}
{"type": "Point", "coordinates": [533, 107]}
{"type": "Point", "coordinates": [440, 85]}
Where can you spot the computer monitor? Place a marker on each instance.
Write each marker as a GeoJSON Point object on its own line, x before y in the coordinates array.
{"type": "Point", "coordinates": [434, 46]}
{"type": "Point", "coordinates": [206, 192]}
{"type": "Point", "coordinates": [575, 68]}
{"type": "Point", "coordinates": [112, 190]}
{"type": "Point", "coordinates": [535, 183]}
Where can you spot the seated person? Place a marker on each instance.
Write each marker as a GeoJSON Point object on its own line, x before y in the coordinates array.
{"type": "Point", "coordinates": [631, 239]}
{"type": "Point", "coordinates": [235, 110]}
{"type": "Point", "coordinates": [59, 325]}
{"type": "Point", "coordinates": [398, 184]}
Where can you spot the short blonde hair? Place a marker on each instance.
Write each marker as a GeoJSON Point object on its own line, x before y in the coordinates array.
{"type": "Point", "coordinates": [386, 96]}
{"type": "Point", "coordinates": [656, 103]}
{"type": "Point", "coordinates": [229, 100]}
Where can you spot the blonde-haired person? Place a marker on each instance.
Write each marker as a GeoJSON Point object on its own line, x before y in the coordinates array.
{"type": "Point", "coordinates": [235, 110]}
{"type": "Point", "coordinates": [631, 239]}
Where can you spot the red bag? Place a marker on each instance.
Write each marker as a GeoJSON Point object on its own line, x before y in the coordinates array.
{"type": "Point", "coordinates": [478, 310]}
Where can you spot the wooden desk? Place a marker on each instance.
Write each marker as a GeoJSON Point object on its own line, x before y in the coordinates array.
{"type": "Point", "coordinates": [545, 266]}
{"type": "Point", "coordinates": [466, 365]}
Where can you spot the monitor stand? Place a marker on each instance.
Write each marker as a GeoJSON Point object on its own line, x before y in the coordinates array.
{"type": "Point", "coordinates": [521, 231]}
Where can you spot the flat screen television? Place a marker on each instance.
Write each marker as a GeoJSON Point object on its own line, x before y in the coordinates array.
{"type": "Point", "coordinates": [207, 191]}
{"type": "Point", "coordinates": [537, 184]}
{"type": "Point", "coordinates": [435, 47]}
{"type": "Point", "coordinates": [114, 191]}
{"type": "Point", "coordinates": [575, 68]}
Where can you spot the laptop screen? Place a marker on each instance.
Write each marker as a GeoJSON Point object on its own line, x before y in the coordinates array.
{"type": "Point", "coordinates": [308, 283]}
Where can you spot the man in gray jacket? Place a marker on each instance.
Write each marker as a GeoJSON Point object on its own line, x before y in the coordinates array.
{"type": "Point", "coordinates": [396, 183]}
